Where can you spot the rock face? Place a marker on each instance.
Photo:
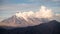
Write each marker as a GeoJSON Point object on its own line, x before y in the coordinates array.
{"type": "Point", "coordinates": [52, 27]}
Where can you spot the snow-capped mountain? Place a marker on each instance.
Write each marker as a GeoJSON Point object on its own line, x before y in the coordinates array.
{"type": "Point", "coordinates": [20, 21]}
{"type": "Point", "coordinates": [30, 18]}
{"type": "Point", "coordinates": [23, 19]}
{"type": "Point", "coordinates": [52, 27]}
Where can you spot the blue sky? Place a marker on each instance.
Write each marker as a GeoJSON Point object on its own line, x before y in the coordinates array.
{"type": "Point", "coordinates": [9, 7]}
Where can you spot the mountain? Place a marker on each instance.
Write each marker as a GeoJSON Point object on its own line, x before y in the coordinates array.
{"type": "Point", "coordinates": [13, 19]}
{"type": "Point", "coordinates": [52, 27]}
{"type": "Point", "coordinates": [23, 22]}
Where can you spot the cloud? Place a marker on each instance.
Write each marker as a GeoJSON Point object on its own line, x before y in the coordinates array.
{"type": "Point", "coordinates": [42, 13]}
{"type": "Point", "coordinates": [28, 4]}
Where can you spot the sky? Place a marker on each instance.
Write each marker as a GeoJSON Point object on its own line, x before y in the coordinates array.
{"type": "Point", "coordinates": [10, 7]}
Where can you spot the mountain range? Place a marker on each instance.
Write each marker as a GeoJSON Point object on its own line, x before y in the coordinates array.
{"type": "Point", "coordinates": [52, 27]}
{"type": "Point", "coordinates": [30, 18]}
{"type": "Point", "coordinates": [29, 25]}
{"type": "Point", "coordinates": [21, 22]}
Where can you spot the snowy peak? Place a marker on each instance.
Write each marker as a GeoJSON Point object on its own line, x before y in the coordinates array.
{"type": "Point", "coordinates": [30, 18]}
{"type": "Point", "coordinates": [10, 20]}
{"type": "Point", "coordinates": [21, 22]}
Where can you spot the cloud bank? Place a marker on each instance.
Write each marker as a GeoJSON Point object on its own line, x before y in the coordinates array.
{"type": "Point", "coordinates": [44, 12]}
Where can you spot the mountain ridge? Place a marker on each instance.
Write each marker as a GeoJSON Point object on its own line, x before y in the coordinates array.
{"type": "Point", "coordinates": [52, 27]}
{"type": "Point", "coordinates": [20, 21]}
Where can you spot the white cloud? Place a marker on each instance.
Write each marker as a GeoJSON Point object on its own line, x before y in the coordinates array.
{"type": "Point", "coordinates": [43, 13]}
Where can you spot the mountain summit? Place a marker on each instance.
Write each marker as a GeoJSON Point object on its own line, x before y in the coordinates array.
{"type": "Point", "coordinates": [22, 22]}
{"type": "Point", "coordinates": [30, 18]}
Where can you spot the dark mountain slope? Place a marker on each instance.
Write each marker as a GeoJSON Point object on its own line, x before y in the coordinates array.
{"type": "Point", "coordinates": [52, 27]}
